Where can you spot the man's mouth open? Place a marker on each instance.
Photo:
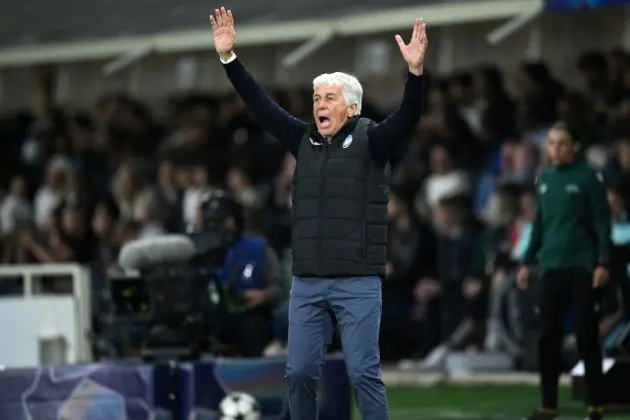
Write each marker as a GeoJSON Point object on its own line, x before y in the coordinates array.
{"type": "Point", "coordinates": [324, 122]}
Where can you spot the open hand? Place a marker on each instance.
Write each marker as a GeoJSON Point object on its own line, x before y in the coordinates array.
{"type": "Point", "coordinates": [414, 51]}
{"type": "Point", "coordinates": [224, 32]}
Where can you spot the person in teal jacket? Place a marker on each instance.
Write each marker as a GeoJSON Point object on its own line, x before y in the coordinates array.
{"type": "Point", "coordinates": [571, 241]}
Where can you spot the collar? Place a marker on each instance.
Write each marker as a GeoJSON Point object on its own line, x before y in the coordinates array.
{"type": "Point", "coordinates": [346, 129]}
{"type": "Point", "coordinates": [564, 166]}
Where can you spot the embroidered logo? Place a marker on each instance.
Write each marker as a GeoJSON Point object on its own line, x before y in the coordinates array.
{"type": "Point", "coordinates": [573, 189]}
{"type": "Point", "coordinates": [347, 142]}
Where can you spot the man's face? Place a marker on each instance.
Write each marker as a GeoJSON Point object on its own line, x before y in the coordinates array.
{"type": "Point", "coordinates": [330, 110]}
{"type": "Point", "coordinates": [560, 147]}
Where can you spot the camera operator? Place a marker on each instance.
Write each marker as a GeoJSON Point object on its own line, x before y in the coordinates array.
{"type": "Point", "coordinates": [251, 276]}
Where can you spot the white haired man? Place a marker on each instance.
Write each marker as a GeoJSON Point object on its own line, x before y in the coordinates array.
{"type": "Point", "coordinates": [339, 237]}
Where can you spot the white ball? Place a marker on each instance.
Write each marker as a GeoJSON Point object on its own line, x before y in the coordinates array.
{"type": "Point", "coordinates": [239, 406]}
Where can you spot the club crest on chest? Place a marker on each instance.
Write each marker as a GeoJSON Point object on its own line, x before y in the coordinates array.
{"type": "Point", "coordinates": [347, 142]}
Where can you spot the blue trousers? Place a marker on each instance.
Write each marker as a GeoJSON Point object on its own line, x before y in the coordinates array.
{"type": "Point", "coordinates": [356, 304]}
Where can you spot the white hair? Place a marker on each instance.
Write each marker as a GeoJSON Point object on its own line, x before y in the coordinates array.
{"type": "Point", "coordinates": [352, 89]}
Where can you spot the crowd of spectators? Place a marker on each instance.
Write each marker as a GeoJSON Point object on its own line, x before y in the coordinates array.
{"type": "Point", "coordinates": [76, 186]}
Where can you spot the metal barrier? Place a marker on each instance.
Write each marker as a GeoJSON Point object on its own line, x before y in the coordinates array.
{"type": "Point", "coordinates": [33, 316]}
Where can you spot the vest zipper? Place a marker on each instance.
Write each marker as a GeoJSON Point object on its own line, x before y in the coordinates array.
{"type": "Point", "coordinates": [321, 200]}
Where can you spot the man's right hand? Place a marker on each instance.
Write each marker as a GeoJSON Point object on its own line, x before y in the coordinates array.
{"type": "Point", "coordinates": [224, 33]}
{"type": "Point", "coordinates": [522, 278]}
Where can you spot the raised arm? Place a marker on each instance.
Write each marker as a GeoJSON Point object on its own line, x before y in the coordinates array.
{"type": "Point", "coordinates": [392, 134]}
{"type": "Point", "coordinates": [282, 125]}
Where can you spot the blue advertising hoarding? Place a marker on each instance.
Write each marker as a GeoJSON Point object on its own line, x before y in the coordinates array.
{"type": "Point", "coordinates": [564, 5]}
{"type": "Point", "coordinates": [135, 391]}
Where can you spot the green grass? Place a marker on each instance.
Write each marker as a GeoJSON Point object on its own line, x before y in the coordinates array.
{"type": "Point", "coordinates": [447, 402]}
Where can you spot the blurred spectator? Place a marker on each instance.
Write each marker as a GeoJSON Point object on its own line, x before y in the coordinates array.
{"type": "Point", "coordinates": [533, 119]}
{"type": "Point", "coordinates": [411, 257]}
{"type": "Point", "coordinates": [277, 211]}
{"type": "Point", "coordinates": [128, 184]}
{"type": "Point", "coordinates": [196, 186]}
{"type": "Point", "coordinates": [53, 192]}
{"type": "Point", "coordinates": [519, 163]}
{"type": "Point", "coordinates": [105, 252]}
{"type": "Point", "coordinates": [446, 178]}
{"type": "Point", "coordinates": [75, 228]}
{"type": "Point", "coordinates": [15, 208]}
{"type": "Point", "coordinates": [170, 195]}
{"type": "Point", "coordinates": [617, 170]}
{"type": "Point", "coordinates": [151, 213]}
{"type": "Point", "coordinates": [462, 94]}
{"type": "Point", "coordinates": [451, 303]}
{"type": "Point", "coordinates": [240, 182]}
{"type": "Point", "coordinates": [596, 75]}
{"type": "Point", "coordinates": [490, 90]}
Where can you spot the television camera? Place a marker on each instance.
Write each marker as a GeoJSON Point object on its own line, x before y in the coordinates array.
{"type": "Point", "coordinates": [173, 293]}
{"type": "Point", "coordinates": [176, 292]}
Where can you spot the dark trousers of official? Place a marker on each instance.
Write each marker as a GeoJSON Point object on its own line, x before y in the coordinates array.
{"type": "Point", "coordinates": [356, 303]}
{"type": "Point", "coordinates": [559, 291]}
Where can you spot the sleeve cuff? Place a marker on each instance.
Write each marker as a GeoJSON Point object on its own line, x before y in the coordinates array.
{"type": "Point", "coordinates": [229, 60]}
{"type": "Point", "coordinates": [603, 261]}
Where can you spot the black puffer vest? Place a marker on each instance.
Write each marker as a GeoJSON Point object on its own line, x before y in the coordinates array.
{"type": "Point", "coordinates": [339, 206]}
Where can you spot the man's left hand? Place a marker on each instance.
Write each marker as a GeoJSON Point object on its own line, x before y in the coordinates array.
{"type": "Point", "coordinates": [254, 298]}
{"type": "Point", "coordinates": [600, 277]}
{"type": "Point", "coordinates": [414, 51]}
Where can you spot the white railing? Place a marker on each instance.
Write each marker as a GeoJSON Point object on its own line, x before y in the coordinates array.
{"type": "Point", "coordinates": [29, 318]}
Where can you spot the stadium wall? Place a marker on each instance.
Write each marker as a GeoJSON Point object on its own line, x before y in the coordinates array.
{"type": "Point", "coordinates": [561, 37]}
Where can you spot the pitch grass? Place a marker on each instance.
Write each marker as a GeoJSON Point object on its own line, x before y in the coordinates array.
{"type": "Point", "coordinates": [448, 402]}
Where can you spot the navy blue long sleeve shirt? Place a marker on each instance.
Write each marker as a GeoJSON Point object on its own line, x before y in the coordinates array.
{"type": "Point", "coordinates": [387, 139]}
